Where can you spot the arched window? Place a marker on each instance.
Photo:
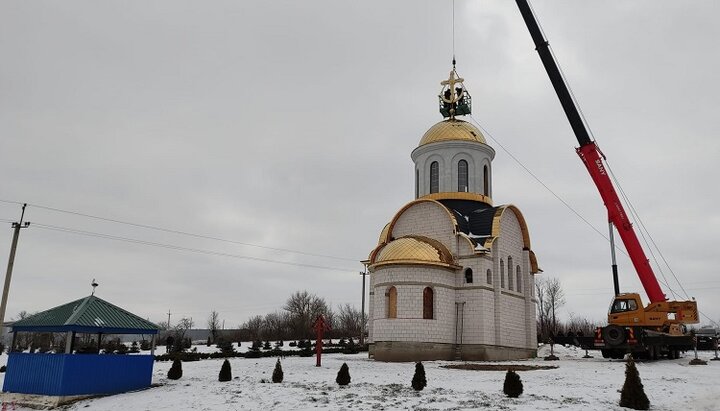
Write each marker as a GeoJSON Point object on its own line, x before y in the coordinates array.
{"type": "Point", "coordinates": [468, 275]}
{"type": "Point", "coordinates": [519, 279]}
{"type": "Point", "coordinates": [486, 181]}
{"type": "Point", "coordinates": [417, 183]}
{"type": "Point", "coordinates": [510, 273]}
{"type": "Point", "coordinates": [502, 274]}
{"type": "Point", "coordinates": [462, 176]}
{"type": "Point", "coordinates": [434, 177]}
{"type": "Point", "coordinates": [391, 302]}
{"type": "Point", "coordinates": [489, 276]}
{"type": "Point", "coordinates": [428, 303]}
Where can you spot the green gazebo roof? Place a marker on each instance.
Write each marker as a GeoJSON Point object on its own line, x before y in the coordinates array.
{"type": "Point", "coordinates": [86, 315]}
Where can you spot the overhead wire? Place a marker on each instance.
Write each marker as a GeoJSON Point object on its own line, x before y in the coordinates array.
{"type": "Point", "coordinates": [182, 248]}
{"type": "Point", "coordinates": [179, 232]}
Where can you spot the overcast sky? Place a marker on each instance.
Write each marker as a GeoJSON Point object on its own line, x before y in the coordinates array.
{"type": "Point", "coordinates": [289, 125]}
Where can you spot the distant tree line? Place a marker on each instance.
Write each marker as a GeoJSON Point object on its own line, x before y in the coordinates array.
{"type": "Point", "coordinates": [295, 320]}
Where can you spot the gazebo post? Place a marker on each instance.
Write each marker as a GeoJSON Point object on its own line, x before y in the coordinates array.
{"type": "Point", "coordinates": [152, 344]}
{"type": "Point", "coordinates": [69, 341]}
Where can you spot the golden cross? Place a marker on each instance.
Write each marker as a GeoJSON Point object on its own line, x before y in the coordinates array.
{"type": "Point", "coordinates": [451, 81]}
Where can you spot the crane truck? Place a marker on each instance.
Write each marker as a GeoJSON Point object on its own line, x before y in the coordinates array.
{"type": "Point", "coordinates": [658, 329]}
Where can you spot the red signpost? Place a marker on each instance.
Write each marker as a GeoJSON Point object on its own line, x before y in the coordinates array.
{"type": "Point", "coordinates": [320, 326]}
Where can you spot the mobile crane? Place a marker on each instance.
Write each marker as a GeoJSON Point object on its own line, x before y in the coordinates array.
{"type": "Point", "coordinates": [657, 329]}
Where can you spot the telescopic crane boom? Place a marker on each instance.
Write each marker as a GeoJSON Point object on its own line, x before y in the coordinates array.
{"type": "Point", "coordinates": [657, 329]}
{"type": "Point", "coordinates": [592, 157]}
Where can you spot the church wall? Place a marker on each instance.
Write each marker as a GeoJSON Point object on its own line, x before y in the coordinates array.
{"type": "Point", "coordinates": [446, 154]}
{"type": "Point", "coordinates": [410, 281]}
{"type": "Point", "coordinates": [427, 219]}
{"type": "Point", "coordinates": [514, 314]}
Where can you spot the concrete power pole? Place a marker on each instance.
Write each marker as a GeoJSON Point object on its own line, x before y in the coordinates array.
{"type": "Point", "coordinates": [11, 261]}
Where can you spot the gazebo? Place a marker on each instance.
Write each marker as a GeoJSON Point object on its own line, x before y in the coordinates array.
{"type": "Point", "coordinates": [76, 373]}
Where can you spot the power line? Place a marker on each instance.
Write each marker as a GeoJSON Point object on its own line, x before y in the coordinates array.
{"type": "Point", "coordinates": [181, 248]}
{"type": "Point", "coordinates": [179, 232]}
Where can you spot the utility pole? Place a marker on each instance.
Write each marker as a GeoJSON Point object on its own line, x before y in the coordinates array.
{"type": "Point", "coordinates": [362, 310]}
{"type": "Point", "coordinates": [11, 261]}
{"type": "Point", "coordinates": [168, 318]}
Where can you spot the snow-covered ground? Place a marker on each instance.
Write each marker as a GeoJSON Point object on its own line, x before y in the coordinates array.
{"type": "Point", "coordinates": [577, 384]}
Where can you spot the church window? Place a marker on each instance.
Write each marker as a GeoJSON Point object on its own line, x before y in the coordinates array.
{"type": "Point", "coordinates": [519, 279]}
{"type": "Point", "coordinates": [486, 181]}
{"type": "Point", "coordinates": [510, 273]}
{"type": "Point", "coordinates": [392, 302]}
{"type": "Point", "coordinates": [417, 183]}
{"type": "Point", "coordinates": [502, 274]}
{"type": "Point", "coordinates": [462, 176]}
{"type": "Point", "coordinates": [468, 275]}
{"type": "Point", "coordinates": [434, 177]}
{"type": "Point", "coordinates": [428, 303]}
{"type": "Point", "coordinates": [489, 276]}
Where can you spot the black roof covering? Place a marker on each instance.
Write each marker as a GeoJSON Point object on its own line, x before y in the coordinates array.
{"type": "Point", "coordinates": [473, 217]}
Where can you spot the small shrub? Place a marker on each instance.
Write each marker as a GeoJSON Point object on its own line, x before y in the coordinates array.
{"type": "Point", "coordinates": [122, 348]}
{"type": "Point", "coordinates": [175, 372]}
{"type": "Point", "coordinates": [277, 376]}
{"type": "Point", "coordinates": [293, 343]}
{"type": "Point", "coordinates": [134, 349]}
{"type": "Point", "coordinates": [225, 372]}
{"type": "Point", "coordinates": [633, 394]}
{"type": "Point", "coordinates": [267, 346]}
{"type": "Point", "coordinates": [513, 386]}
{"type": "Point", "coordinates": [343, 376]}
{"type": "Point", "coordinates": [145, 345]}
{"type": "Point", "coordinates": [419, 381]}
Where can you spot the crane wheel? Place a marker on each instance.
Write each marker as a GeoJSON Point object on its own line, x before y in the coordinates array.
{"type": "Point", "coordinates": [613, 335]}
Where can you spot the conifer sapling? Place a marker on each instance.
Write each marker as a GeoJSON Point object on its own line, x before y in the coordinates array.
{"type": "Point", "coordinates": [225, 372]}
{"type": "Point", "coordinates": [343, 376]}
{"type": "Point", "coordinates": [419, 381]}
{"type": "Point", "coordinates": [175, 371]}
{"type": "Point", "coordinates": [277, 372]}
{"type": "Point", "coordinates": [633, 394]}
{"type": "Point", "coordinates": [513, 386]}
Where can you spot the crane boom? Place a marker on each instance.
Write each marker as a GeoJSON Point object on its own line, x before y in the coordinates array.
{"type": "Point", "coordinates": [592, 158]}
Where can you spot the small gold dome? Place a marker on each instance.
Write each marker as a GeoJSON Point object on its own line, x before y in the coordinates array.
{"type": "Point", "coordinates": [412, 250]}
{"type": "Point", "coordinates": [452, 129]}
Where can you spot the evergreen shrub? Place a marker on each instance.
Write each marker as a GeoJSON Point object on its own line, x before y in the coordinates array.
{"type": "Point", "coordinates": [225, 372]}
{"type": "Point", "coordinates": [277, 375]}
{"type": "Point", "coordinates": [419, 381]}
{"type": "Point", "coordinates": [343, 376]}
{"type": "Point", "coordinates": [175, 372]}
{"type": "Point", "coordinates": [633, 394]}
{"type": "Point", "coordinates": [513, 386]}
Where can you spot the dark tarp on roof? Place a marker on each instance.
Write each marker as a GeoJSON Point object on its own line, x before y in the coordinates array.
{"type": "Point", "coordinates": [86, 315]}
{"type": "Point", "coordinates": [473, 217]}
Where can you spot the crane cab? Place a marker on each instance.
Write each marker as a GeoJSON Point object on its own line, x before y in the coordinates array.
{"type": "Point", "coordinates": [627, 310]}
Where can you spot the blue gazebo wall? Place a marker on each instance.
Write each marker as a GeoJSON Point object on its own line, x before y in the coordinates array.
{"type": "Point", "coordinates": [77, 374]}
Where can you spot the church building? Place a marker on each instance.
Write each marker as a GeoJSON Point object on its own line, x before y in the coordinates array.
{"type": "Point", "coordinates": [452, 276]}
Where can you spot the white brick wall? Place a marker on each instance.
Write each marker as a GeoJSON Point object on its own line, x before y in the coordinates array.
{"type": "Point", "coordinates": [513, 324]}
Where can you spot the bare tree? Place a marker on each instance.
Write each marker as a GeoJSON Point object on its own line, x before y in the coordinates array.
{"type": "Point", "coordinates": [276, 326]}
{"type": "Point", "coordinates": [349, 320]}
{"type": "Point", "coordinates": [214, 324]}
{"type": "Point", "coordinates": [254, 326]}
{"type": "Point", "coordinates": [181, 328]}
{"type": "Point", "coordinates": [304, 308]}
{"type": "Point", "coordinates": [555, 298]}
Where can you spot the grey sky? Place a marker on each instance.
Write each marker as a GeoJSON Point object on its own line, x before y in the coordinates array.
{"type": "Point", "coordinates": [290, 124]}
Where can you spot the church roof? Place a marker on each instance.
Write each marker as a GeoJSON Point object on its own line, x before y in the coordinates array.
{"type": "Point", "coordinates": [413, 249]}
{"type": "Point", "coordinates": [452, 130]}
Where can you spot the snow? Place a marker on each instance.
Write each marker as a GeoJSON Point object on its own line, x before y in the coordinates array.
{"type": "Point", "coordinates": [577, 384]}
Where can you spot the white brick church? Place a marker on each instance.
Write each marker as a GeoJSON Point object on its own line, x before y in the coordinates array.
{"type": "Point", "coordinates": [452, 274]}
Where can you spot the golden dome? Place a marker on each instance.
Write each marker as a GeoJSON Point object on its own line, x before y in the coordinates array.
{"type": "Point", "coordinates": [412, 250]}
{"type": "Point", "coordinates": [452, 129]}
